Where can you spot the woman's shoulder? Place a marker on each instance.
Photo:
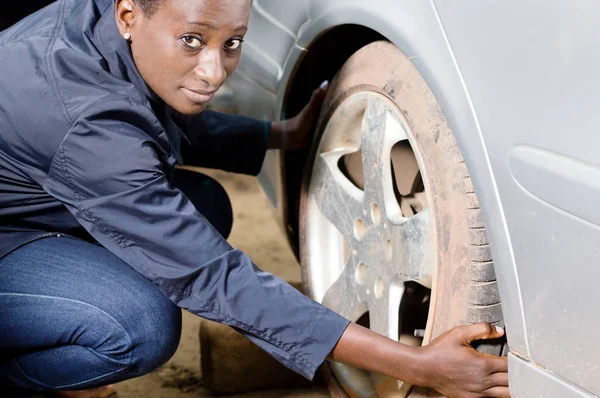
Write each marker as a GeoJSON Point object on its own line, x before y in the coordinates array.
{"type": "Point", "coordinates": [37, 26]}
{"type": "Point", "coordinates": [57, 54]}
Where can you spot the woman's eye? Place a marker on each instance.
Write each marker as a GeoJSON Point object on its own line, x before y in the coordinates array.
{"type": "Point", "coordinates": [192, 41]}
{"type": "Point", "coordinates": [233, 44]}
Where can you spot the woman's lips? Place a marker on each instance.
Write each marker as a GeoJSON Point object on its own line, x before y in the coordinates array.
{"type": "Point", "coordinates": [199, 97]}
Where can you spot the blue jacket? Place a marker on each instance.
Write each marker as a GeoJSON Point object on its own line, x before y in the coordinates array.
{"type": "Point", "coordinates": [86, 149]}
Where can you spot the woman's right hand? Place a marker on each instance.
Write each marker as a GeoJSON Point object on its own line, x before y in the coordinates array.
{"type": "Point", "coordinates": [454, 368]}
{"type": "Point", "coordinates": [448, 364]}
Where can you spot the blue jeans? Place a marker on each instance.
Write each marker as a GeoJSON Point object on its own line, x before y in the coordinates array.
{"type": "Point", "coordinates": [75, 316]}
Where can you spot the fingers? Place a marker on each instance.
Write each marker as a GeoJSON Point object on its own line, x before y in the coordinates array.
{"type": "Point", "coordinates": [324, 85]}
{"type": "Point", "coordinates": [480, 331]}
{"type": "Point", "coordinates": [322, 89]}
{"type": "Point", "coordinates": [497, 392]}
{"type": "Point", "coordinates": [318, 96]}
{"type": "Point", "coordinates": [497, 382]}
{"type": "Point", "coordinates": [497, 364]}
{"type": "Point", "coordinates": [499, 379]}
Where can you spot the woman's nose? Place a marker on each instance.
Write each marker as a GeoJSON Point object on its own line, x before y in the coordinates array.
{"type": "Point", "coordinates": [210, 68]}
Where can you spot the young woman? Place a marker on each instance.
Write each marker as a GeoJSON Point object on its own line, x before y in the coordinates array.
{"type": "Point", "coordinates": [102, 240]}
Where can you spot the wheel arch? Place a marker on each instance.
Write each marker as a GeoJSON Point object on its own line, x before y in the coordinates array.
{"type": "Point", "coordinates": [319, 62]}
{"type": "Point", "coordinates": [415, 28]}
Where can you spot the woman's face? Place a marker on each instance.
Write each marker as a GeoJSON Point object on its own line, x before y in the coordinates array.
{"type": "Point", "coordinates": [186, 49]}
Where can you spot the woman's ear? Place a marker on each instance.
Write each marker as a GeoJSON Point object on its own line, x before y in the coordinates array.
{"type": "Point", "coordinates": [124, 14]}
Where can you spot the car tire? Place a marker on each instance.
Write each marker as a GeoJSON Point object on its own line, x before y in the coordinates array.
{"type": "Point", "coordinates": [378, 94]}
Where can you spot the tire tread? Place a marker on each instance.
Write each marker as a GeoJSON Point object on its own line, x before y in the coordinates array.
{"type": "Point", "coordinates": [484, 297]}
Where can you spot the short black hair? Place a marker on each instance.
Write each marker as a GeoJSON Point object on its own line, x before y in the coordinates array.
{"type": "Point", "coordinates": [149, 7]}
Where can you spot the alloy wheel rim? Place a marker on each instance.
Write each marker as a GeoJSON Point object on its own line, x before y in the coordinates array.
{"type": "Point", "coordinates": [363, 249]}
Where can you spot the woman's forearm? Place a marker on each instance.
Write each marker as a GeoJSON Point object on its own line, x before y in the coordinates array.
{"type": "Point", "coordinates": [362, 348]}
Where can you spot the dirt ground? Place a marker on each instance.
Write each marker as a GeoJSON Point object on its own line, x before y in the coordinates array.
{"type": "Point", "coordinates": [256, 232]}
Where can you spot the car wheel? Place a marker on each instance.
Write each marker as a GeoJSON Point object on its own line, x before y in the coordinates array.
{"type": "Point", "coordinates": [391, 233]}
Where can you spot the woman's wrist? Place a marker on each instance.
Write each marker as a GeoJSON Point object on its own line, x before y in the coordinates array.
{"type": "Point", "coordinates": [365, 349]}
{"type": "Point", "coordinates": [276, 136]}
{"type": "Point", "coordinates": [296, 133]}
{"type": "Point", "coordinates": [283, 135]}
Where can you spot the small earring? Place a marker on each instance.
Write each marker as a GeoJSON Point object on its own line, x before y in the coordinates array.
{"type": "Point", "coordinates": [127, 36]}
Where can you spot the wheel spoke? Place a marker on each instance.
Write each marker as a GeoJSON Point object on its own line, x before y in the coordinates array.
{"type": "Point", "coordinates": [380, 130]}
{"type": "Point", "coordinates": [419, 254]}
{"type": "Point", "coordinates": [384, 316]}
{"type": "Point", "coordinates": [384, 310]}
{"type": "Point", "coordinates": [415, 248]}
{"type": "Point", "coordinates": [379, 316]}
{"type": "Point", "coordinates": [344, 296]}
{"type": "Point", "coordinates": [337, 198]}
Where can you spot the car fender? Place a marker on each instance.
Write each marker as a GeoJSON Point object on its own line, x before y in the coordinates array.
{"type": "Point", "coordinates": [414, 26]}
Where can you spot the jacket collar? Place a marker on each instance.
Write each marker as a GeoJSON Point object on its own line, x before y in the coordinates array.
{"type": "Point", "coordinates": [117, 53]}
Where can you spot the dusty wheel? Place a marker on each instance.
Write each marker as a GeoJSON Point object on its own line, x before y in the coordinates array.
{"type": "Point", "coordinates": [391, 231]}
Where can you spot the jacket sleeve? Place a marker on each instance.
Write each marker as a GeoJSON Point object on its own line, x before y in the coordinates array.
{"type": "Point", "coordinates": [108, 173]}
{"type": "Point", "coordinates": [227, 142]}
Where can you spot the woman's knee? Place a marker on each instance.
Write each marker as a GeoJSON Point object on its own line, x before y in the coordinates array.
{"type": "Point", "coordinates": [115, 325]}
{"type": "Point", "coordinates": [140, 337]}
{"type": "Point", "coordinates": [157, 338]}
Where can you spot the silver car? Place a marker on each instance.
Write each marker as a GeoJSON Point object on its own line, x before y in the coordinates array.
{"type": "Point", "coordinates": [454, 176]}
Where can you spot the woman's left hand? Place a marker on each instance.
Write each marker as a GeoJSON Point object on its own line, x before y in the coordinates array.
{"type": "Point", "coordinates": [296, 133]}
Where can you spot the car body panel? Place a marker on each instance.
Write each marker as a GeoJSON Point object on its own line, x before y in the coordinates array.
{"type": "Point", "coordinates": [254, 101]}
{"type": "Point", "coordinates": [280, 13]}
{"type": "Point", "coordinates": [461, 48]}
{"type": "Point", "coordinates": [535, 89]}
{"type": "Point", "coordinates": [527, 380]}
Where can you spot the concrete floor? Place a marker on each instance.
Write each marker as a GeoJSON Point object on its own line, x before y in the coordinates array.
{"type": "Point", "coordinates": [256, 232]}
